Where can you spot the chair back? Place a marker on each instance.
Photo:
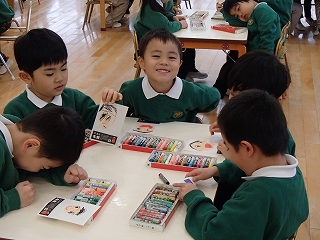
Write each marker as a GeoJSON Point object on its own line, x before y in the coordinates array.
{"type": "Point", "coordinates": [136, 54]}
{"type": "Point", "coordinates": [281, 49]}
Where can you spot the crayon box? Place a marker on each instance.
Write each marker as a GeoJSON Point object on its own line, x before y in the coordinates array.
{"type": "Point", "coordinates": [148, 143]}
{"type": "Point", "coordinates": [156, 210]}
{"type": "Point", "coordinates": [179, 161]}
{"type": "Point", "coordinates": [87, 141]}
{"type": "Point", "coordinates": [95, 191]}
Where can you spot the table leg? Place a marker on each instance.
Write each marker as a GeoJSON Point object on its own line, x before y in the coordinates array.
{"type": "Point", "coordinates": [102, 16]}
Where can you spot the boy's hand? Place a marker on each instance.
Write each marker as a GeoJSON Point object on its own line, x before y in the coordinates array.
{"type": "Point", "coordinates": [223, 149]}
{"type": "Point", "coordinates": [75, 173]}
{"type": "Point", "coordinates": [110, 95]}
{"type": "Point", "coordinates": [203, 173]}
{"type": "Point", "coordinates": [219, 6]}
{"type": "Point", "coordinates": [179, 18]}
{"type": "Point", "coordinates": [184, 23]}
{"type": "Point", "coordinates": [26, 192]}
{"type": "Point", "coordinates": [184, 188]}
{"type": "Point", "coordinates": [176, 10]}
{"type": "Point", "coordinates": [214, 128]}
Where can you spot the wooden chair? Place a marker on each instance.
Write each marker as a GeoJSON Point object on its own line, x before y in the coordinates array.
{"type": "Point", "coordinates": [281, 49]}
{"type": "Point", "coordinates": [14, 32]}
{"type": "Point", "coordinates": [136, 54]}
{"type": "Point", "coordinates": [21, 4]}
{"type": "Point", "coordinates": [187, 3]}
{"type": "Point", "coordinates": [89, 9]}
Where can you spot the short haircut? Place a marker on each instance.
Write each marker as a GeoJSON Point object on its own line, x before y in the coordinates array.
{"type": "Point", "coordinates": [229, 4]}
{"type": "Point", "coordinates": [260, 70]}
{"type": "Point", "coordinates": [60, 131]}
{"type": "Point", "coordinates": [256, 117]}
{"type": "Point", "coordinates": [161, 34]}
{"type": "Point", "coordinates": [39, 47]}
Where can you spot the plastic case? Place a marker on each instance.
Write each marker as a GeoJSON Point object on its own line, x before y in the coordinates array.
{"type": "Point", "coordinates": [157, 208]}
{"type": "Point", "coordinates": [148, 143]}
{"type": "Point", "coordinates": [179, 161]}
{"type": "Point", "coordinates": [199, 15]}
{"type": "Point", "coordinates": [197, 25]}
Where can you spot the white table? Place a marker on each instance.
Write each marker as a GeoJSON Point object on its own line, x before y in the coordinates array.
{"type": "Point", "coordinates": [134, 180]}
{"type": "Point", "coordinates": [210, 38]}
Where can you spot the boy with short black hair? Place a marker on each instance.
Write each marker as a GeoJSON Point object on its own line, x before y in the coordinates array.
{"type": "Point", "coordinates": [272, 202]}
{"type": "Point", "coordinates": [41, 56]}
{"type": "Point", "coordinates": [46, 143]}
{"type": "Point", "coordinates": [161, 96]}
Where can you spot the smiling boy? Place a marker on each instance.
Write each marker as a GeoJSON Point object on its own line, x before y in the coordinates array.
{"type": "Point", "coordinates": [161, 96]}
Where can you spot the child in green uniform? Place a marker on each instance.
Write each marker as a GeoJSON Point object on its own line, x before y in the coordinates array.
{"type": "Point", "coordinates": [41, 56]}
{"type": "Point", "coordinates": [46, 143]}
{"type": "Point", "coordinates": [161, 96]}
{"type": "Point", "coordinates": [264, 31]}
{"type": "Point", "coordinates": [155, 14]}
{"type": "Point", "coordinates": [272, 202]}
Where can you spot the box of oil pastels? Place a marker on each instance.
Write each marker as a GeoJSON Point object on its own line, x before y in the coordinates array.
{"type": "Point", "coordinates": [179, 161]}
{"type": "Point", "coordinates": [157, 208]}
{"type": "Point", "coordinates": [148, 143]}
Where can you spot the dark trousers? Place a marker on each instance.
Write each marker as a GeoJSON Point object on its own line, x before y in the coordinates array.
{"type": "Point", "coordinates": [222, 81]}
{"type": "Point", "coordinates": [307, 8]}
{"type": "Point", "coordinates": [188, 63]}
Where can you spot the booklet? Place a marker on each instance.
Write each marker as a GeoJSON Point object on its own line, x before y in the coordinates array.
{"type": "Point", "coordinates": [108, 123]}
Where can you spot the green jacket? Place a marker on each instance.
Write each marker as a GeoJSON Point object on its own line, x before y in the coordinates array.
{"type": "Point", "coordinates": [6, 12]}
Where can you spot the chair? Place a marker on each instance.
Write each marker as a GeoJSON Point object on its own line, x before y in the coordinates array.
{"type": "Point", "coordinates": [281, 49]}
{"type": "Point", "coordinates": [89, 9]}
{"type": "Point", "coordinates": [21, 4]}
{"type": "Point", "coordinates": [14, 32]}
{"type": "Point", "coordinates": [136, 54]}
{"type": "Point", "coordinates": [187, 2]}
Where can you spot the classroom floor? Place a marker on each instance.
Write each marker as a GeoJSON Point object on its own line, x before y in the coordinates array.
{"type": "Point", "coordinates": [98, 59]}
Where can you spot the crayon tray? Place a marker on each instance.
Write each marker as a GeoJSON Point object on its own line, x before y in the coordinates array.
{"type": "Point", "coordinates": [157, 208]}
{"type": "Point", "coordinates": [179, 161]}
{"type": "Point", "coordinates": [148, 143]}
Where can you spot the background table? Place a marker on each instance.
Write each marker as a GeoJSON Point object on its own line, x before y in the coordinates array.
{"type": "Point", "coordinates": [210, 38]}
{"type": "Point", "coordinates": [134, 180]}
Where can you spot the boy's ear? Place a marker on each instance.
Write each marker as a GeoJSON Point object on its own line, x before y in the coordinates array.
{"type": "Point", "coordinates": [31, 144]}
{"type": "Point", "coordinates": [247, 148]}
{"type": "Point", "coordinates": [25, 77]}
{"type": "Point", "coordinates": [140, 62]}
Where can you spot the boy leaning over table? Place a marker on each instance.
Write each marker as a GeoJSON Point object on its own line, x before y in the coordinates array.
{"type": "Point", "coordinates": [272, 202]}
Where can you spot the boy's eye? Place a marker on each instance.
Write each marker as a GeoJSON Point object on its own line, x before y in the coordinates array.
{"type": "Point", "coordinates": [172, 58]}
{"type": "Point", "coordinates": [155, 56]}
{"type": "Point", "coordinates": [64, 69]}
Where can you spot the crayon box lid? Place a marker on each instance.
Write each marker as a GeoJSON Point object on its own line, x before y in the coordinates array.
{"type": "Point", "coordinates": [157, 208]}
{"type": "Point", "coordinates": [179, 161]}
{"type": "Point", "coordinates": [199, 15]}
{"type": "Point", "coordinates": [148, 143]}
{"type": "Point", "coordinates": [95, 191]}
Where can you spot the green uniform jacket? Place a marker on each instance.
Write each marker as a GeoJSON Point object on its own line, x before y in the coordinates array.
{"type": "Point", "coordinates": [153, 20]}
{"type": "Point", "coordinates": [265, 208]}
{"type": "Point", "coordinates": [21, 106]}
{"type": "Point", "coordinates": [10, 176]}
{"type": "Point", "coordinates": [194, 98]}
{"type": "Point", "coordinates": [6, 12]}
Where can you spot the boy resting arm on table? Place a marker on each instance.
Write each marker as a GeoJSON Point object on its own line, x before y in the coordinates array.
{"type": "Point", "coordinates": [272, 202]}
{"type": "Point", "coordinates": [46, 143]}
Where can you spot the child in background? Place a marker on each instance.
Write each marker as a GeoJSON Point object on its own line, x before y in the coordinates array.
{"type": "Point", "coordinates": [6, 15]}
{"type": "Point", "coordinates": [46, 143]}
{"type": "Point", "coordinates": [155, 14]}
{"type": "Point", "coordinates": [46, 77]}
{"type": "Point", "coordinates": [254, 70]}
{"type": "Point", "coordinates": [264, 31]}
{"type": "Point", "coordinates": [161, 96]}
{"type": "Point", "coordinates": [272, 201]}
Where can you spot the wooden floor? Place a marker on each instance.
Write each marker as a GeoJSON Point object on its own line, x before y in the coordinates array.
{"type": "Point", "coordinates": [98, 59]}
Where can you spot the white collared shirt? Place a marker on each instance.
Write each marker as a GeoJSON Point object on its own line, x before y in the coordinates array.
{"type": "Point", "coordinates": [57, 100]}
{"type": "Point", "coordinates": [7, 136]}
{"type": "Point", "coordinates": [174, 92]}
{"type": "Point", "coordinates": [279, 171]}
{"type": "Point", "coordinates": [160, 2]}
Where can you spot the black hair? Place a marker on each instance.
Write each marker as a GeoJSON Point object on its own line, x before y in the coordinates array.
{"type": "Point", "coordinates": [161, 34]}
{"type": "Point", "coordinates": [154, 5]}
{"type": "Point", "coordinates": [60, 131]}
{"type": "Point", "coordinates": [260, 70]}
{"type": "Point", "coordinates": [256, 117]}
{"type": "Point", "coordinates": [39, 47]}
{"type": "Point", "coordinates": [229, 4]}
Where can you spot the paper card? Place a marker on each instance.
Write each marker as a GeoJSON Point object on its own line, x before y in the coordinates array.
{"type": "Point", "coordinates": [201, 147]}
{"type": "Point", "coordinates": [144, 128]}
{"type": "Point", "coordinates": [216, 137]}
{"type": "Point", "coordinates": [69, 210]}
{"type": "Point", "coordinates": [108, 123]}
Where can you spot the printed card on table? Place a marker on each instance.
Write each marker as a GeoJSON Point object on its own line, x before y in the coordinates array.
{"type": "Point", "coordinates": [144, 127]}
{"type": "Point", "coordinates": [108, 123]}
{"type": "Point", "coordinates": [201, 147]}
{"type": "Point", "coordinates": [69, 210]}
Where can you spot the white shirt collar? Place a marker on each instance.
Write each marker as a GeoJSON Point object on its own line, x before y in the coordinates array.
{"type": "Point", "coordinates": [57, 100]}
{"type": "Point", "coordinates": [174, 92]}
{"type": "Point", "coordinates": [286, 171]}
{"type": "Point", "coordinates": [160, 2]}
{"type": "Point", "coordinates": [7, 136]}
